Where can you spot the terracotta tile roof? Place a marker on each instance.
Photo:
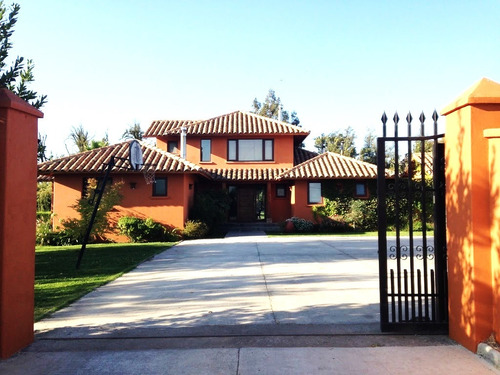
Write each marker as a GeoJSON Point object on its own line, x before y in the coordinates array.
{"type": "Point", "coordinates": [158, 128]}
{"type": "Point", "coordinates": [301, 155]}
{"type": "Point", "coordinates": [428, 160]}
{"type": "Point", "coordinates": [240, 123]}
{"type": "Point", "coordinates": [92, 161]}
{"type": "Point", "coordinates": [331, 165]}
{"type": "Point", "coordinates": [44, 178]}
{"type": "Point", "coordinates": [253, 174]}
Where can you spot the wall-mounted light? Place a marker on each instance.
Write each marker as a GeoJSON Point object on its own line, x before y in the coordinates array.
{"type": "Point", "coordinates": [133, 185]}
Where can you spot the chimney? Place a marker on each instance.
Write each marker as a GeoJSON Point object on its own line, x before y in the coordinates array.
{"type": "Point", "coordinates": [183, 142]}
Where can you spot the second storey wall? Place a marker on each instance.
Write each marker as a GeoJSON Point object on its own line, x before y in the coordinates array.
{"type": "Point", "coordinates": [283, 151]}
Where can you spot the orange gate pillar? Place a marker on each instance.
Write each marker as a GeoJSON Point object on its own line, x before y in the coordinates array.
{"type": "Point", "coordinates": [469, 212]}
{"type": "Point", "coordinates": [493, 136]}
{"type": "Point", "coordinates": [18, 173]}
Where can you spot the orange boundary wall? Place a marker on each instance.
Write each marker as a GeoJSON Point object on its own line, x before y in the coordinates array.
{"type": "Point", "coordinates": [18, 171]}
{"type": "Point", "coordinates": [473, 212]}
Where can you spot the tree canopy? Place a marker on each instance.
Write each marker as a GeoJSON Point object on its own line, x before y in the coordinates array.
{"type": "Point", "coordinates": [18, 75]}
{"type": "Point", "coordinates": [84, 142]}
{"type": "Point", "coordinates": [340, 141]}
{"type": "Point", "coordinates": [368, 152]}
{"type": "Point", "coordinates": [133, 132]}
{"type": "Point", "coordinates": [273, 108]}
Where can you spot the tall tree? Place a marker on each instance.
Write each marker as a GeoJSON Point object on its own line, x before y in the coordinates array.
{"type": "Point", "coordinates": [340, 141]}
{"type": "Point", "coordinates": [80, 138]}
{"type": "Point", "coordinates": [273, 108]}
{"type": "Point", "coordinates": [368, 152]}
{"type": "Point", "coordinates": [17, 76]}
{"type": "Point", "coordinates": [133, 132]}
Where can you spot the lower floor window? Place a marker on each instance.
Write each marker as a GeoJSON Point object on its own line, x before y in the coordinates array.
{"type": "Point", "coordinates": [314, 193]}
{"type": "Point", "coordinates": [160, 187]}
{"type": "Point", "coordinates": [280, 191]}
{"type": "Point", "coordinates": [361, 190]}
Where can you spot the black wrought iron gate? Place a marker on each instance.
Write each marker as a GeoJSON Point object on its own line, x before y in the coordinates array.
{"type": "Point", "coordinates": [411, 203]}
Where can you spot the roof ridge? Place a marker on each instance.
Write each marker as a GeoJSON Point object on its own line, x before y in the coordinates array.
{"type": "Point", "coordinates": [275, 120]}
{"type": "Point", "coordinates": [350, 157]}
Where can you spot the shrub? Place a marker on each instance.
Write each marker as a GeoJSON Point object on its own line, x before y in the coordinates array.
{"type": "Point", "coordinates": [211, 206]}
{"type": "Point", "coordinates": [334, 224]}
{"type": "Point", "coordinates": [145, 230]}
{"type": "Point", "coordinates": [195, 229]}
{"type": "Point", "coordinates": [43, 196]}
{"type": "Point", "coordinates": [363, 214]}
{"type": "Point", "coordinates": [302, 225]}
{"type": "Point", "coordinates": [76, 228]}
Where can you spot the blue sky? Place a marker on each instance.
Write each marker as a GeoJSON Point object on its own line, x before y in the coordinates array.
{"type": "Point", "coordinates": [107, 64]}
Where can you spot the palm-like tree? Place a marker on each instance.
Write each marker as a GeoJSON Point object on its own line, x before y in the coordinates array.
{"type": "Point", "coordinates": [80, 138]}
{"type": "Point", "coordinates": [133, 132]}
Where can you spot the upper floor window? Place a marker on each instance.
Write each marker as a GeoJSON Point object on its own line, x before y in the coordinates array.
{"type": "Point", "coordinates": [206, 150]}
{"type": "Point", "coordinates": [250, 150]}
{"type": "Point", "coordinates": [172, 146]}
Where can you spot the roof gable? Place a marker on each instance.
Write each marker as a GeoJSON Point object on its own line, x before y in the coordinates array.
{"type": "Point", "coordinates": [331, 165]}
{"type": "Point", "coordinates": [235, 123]}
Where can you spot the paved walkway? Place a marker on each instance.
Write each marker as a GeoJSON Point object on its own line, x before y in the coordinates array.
{"type": "Point", "coordinates": [242, 305]}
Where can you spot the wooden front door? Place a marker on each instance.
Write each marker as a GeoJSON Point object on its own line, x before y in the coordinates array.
{"type": "Point", "coordinates": [246, 204]}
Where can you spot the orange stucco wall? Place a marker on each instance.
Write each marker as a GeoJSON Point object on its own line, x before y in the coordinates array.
{"type": "Point", "coordinates": [300, 206]}
{"type": "Point", "coordinates": [18, 171]}
{"type": "Point", "coordinates": [280, 208]}
{"type": "Point", "coordinates": [171, 210]}
{"type": "Point", "coordinates": [67, 189]}
{"type": "Point", "coordinates": [283, 151]}
{"type": "Point", "coordinates": [494, 163]}
{"type": "Point", "coordinates": [469, 182]}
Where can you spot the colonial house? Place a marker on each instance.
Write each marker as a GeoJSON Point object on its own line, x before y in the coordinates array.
{"type": "Point", "coordinates": [258, 160]}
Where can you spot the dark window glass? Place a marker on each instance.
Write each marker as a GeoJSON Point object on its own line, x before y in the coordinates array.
{"type": "Point", "coordinates": [361, 190]}
{"type": "Point", "coordinates": [206, 150]}
{"type": "Point", "coordinates": [172, 146]}
{"type": "Point", "coordinates": [160, 187]}
{"type": "Point", "coordinates": [268, 149]}
{"type": "Point", "coordinates": [314, 193]}
{"type": "Point", "coordinates": [250, 150]}
{"type": "Point", "coordinates": [231, 149]}
{"type": "Point", "coordinates": [280, 191]}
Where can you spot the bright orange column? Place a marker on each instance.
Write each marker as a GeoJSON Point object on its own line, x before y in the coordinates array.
{"type": "Point", "coordinates": [493, 136]}
{"type": "Point", "coordinates": [18, 172]}
{"type": "Point", "coordinates": [469, 212]}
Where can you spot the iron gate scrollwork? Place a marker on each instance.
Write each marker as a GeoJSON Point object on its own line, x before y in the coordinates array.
{"type": "Point", "coordinates": [411, 203]}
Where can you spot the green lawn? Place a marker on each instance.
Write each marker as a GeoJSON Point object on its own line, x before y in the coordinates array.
{"type": "Point", "coordinates": [58, 282]}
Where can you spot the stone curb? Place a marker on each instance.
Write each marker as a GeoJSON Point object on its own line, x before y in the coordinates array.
{"type": "Point", "coordinates": [490, 354]}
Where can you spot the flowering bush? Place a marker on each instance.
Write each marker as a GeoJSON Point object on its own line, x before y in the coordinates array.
{"type": "Point", "coordinates": [301, 225]}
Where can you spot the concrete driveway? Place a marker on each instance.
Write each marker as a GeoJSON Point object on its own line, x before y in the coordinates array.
{"type": "Point", "coordinates": [242, 280]}
{"type": "Point", "coordinates": [241, 305]}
